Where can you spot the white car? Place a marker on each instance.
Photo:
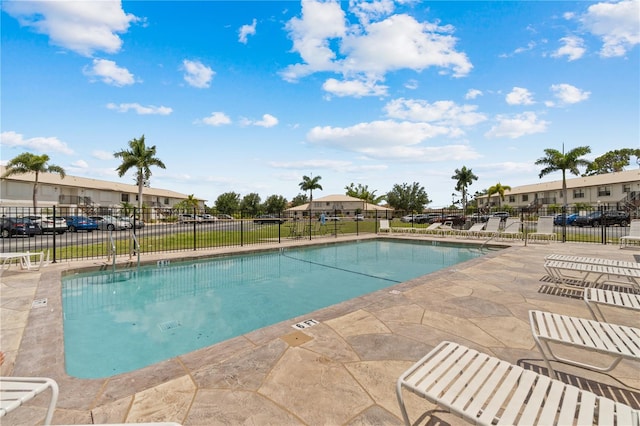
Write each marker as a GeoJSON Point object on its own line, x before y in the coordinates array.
{"type": "Point", "coordinates": [110, 223]}
{"type": "Point", "coordinates": [47, 224]}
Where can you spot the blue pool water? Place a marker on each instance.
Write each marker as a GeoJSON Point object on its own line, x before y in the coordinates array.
{"type": "Point", "coordinates": [123, 321]}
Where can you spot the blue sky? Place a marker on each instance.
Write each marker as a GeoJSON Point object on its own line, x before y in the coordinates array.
{"type": "Point", "coordinates": [250, 96]}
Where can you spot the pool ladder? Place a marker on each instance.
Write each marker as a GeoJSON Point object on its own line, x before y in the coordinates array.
{"type": "Point", "coordinates": [134, 247]}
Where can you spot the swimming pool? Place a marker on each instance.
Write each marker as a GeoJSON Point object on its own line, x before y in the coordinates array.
{"type": "Point", "coordinates": [115, 322]}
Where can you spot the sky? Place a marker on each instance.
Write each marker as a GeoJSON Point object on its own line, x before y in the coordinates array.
{"type": "Point", "coordinates": [250, 96]}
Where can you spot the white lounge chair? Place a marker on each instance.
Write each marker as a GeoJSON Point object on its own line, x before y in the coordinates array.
{"type": "Point", "coordinates": [512, 229]}
{"type": "Point", "coordinates": [444, 229]}
{"type": "Point", "coordinates": [591, 275]}
{"type": "Point", "coordinates": [617, 341]}
{"type": "Point", "coordinates": [384, 226]}
{"type": "Point", "coordinates": [593, 261]}
{"type": "Point", "coordinates": [23, 259]}
{"type": "Point", "coordinates": [471, 232]}
{"type": "Point", "coordinates": [491, 228]}
{"type": "Point", "coordinates": [15, 391]}
{"type": "Point", "coordinates": [634, 234]}
{"type": "Point", "coordinates": [431, 229]}
{"type": "Point", "coordinates": [544, 230]}
{"type": "Point", "coordinates": [594, 297]}
{"type": "Point", "coordinates": [485, 390]}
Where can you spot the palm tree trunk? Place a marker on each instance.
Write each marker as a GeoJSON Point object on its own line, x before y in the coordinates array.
{"type": "Point", "coordinates": [35, 193]}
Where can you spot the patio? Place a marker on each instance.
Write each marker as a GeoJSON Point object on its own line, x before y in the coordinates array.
{"type": "Point", "coordinates": [341, 371]}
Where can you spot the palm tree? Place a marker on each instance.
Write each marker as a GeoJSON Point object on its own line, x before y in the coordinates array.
{"type": "Point", "coordinates": [142, 158]}
{"type": "Point", "coordinates": [31, 163]}
{"type": "Point", "coordinates": [309, 184]}
{"type": "Point", "coordinates": [464, 177]}
{"type": "Point", "coordinates": [499, 189]}
{"type": "Point", "coordinates": [555, 160]}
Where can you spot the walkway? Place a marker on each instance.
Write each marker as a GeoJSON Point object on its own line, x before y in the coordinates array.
{"type": "Point", "coordinates": [339, 372]}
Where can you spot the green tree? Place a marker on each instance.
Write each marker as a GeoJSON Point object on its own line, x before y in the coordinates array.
{"type": "Point", "coordinates": [362, 192]}
{"type": "Point", "coordinates": [228, 203]}
{"type": "Point", "coordinates": [250, 204]}
{"type": "Point", "coordinates": [275, 204]}
{"type": "Point", "coordinates": [299, 200]}
{"type": "Point", "coordinates": [555, 160]}
{"type": "Point", "coordinates": [309, 184]}
{"type": "Point", "coordinates": [612, 161]}
{"type": "Point", "coordinates": [499, 189]}
{"type": "Point", "coordinates": [408, 198]}
{"type": "Point", "coordinates": [31, 163]}
{"type": "Point", "coordinates": [142, 158]}
{"type": "Point", "coordinates": [464, 177]}
{"type": "Point", "coordinates": [189, 203]}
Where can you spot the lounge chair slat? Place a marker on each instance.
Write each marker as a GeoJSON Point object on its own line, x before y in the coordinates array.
{"type": "Point", "coordinates": [498, 392]}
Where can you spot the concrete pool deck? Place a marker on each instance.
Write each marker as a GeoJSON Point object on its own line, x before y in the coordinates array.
{"type": "Point", "coordinates": [341, 371]}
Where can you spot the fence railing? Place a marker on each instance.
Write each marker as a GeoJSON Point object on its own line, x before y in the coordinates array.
{"type": "Point", "coordinates": [165, 230]}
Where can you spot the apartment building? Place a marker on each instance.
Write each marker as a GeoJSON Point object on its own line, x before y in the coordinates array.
{"type": "Point", "coordinates": [80, 194]}
{"type": "Point", "coordinates": [620, 191]}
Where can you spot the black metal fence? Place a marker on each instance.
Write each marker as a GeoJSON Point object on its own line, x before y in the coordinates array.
{"type": "Point", "coordinates": [126, 232]}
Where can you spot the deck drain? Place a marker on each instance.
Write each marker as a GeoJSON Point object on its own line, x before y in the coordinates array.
{"type": "Point", "coordinates": [39, 303]}
{"type": "Point", "coordinates": [169, 325]}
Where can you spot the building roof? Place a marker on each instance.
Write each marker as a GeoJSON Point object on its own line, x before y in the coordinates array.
{"type": "Point", "coordinates": [339, 198]}
{"type": "Point", "coordinates": [88, 183]}
{"type": "Point", "coordinates": [578, 182]}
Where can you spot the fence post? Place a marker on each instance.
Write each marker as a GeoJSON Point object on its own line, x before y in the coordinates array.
{"type": "Point", "coordinates": [54, 234]}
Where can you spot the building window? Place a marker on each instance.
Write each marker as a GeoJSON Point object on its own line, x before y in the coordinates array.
{"type": "Point", "coordinates": [626, 188]}
{"type": "Point", "coordinates": [512, 198]}
{"type": "Point", "coordinates": [166, 201]}
{"type": "Point", "coordinates": [604, 191]}
{"type": "Point", "coordinates": [124, 198]}
{"type": "Point", "coordinates": [578, 193]}
{"type": "Point", "coordinates": [525, 197]}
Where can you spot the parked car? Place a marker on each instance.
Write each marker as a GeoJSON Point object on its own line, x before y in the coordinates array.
{"type": "Point", "coordinates": [268, 218]}
{"type": "Point", "coordinates": [13, 226]}
{"type": "Point", "coordinates": [358, 217]}
{"type": "Point", "coordinates": [426, 217]}
{"type": "Point", "coordinates": [224, 217]}
{"type": "Point", "coordinates": [188, 218]}
{"type": "Point", "coordinates": [207, 218]}
{"type": "Point", "coordinates": [456, 219]}
{"type": "Point", "coordinates": [570, 219]}
{"type": "Point", "coordinates": [408, 218]}
{"type": "Point", "coordinates": [502, 215]}
{"type": "Point", "coordinates": [81, 223]}
{"type": "Point", "coordinates": [139, 223]}
{"type": "Point", "coordinates": [48, 224]}
{"type": "Point", "coordinates": [110, 223]}
{"type": "Point", "coordinates": [608, 218]}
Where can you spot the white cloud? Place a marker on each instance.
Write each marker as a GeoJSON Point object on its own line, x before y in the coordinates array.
{"type": "Point", "coordinates": [445, 113]}
{"type": "Point", "coordinates": [81, 26]}
{"type": "Point", "coordinates": [81, 164]}
{"type": "Point", "coordinates": [411, 84]}
{"type": "Point", "coordinates": [473, 93]}
{"type": "Point", "coordinates": [355, 88]}
{"type": "Point", "coordinates": [109, 73]}
{"type": "Point", "coordinates": [518, 125]}
{"type": "Point", "coordinates": [246, 30]}
{"type": "Point", "coordinates": [617, 24]}
{"type": "Point", "coordinates": [12, 139]}
{"type": "Point", "coordinates": [268, 120]}
{"type": "Point", "coordinates": [197, 74]}
{"type": "Point", "coordinates": [519, 96]}
{"type": "Point", "coordinates": [141, 110]}
{"type": "Point", "coordinates": [391, 140]}
{"type": "Point", "coordinates": [102, 155]}
{"type": "Point", "coordinates": [217, 119]}
{"type": "Point", "coordinates": [366, 11]}
{"type": "Point", "coordinates": [567, 94]}
{"type": "Point", "coordinates": [364, 52]}
{"type": "Point", "coordinates": [573, 48]}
